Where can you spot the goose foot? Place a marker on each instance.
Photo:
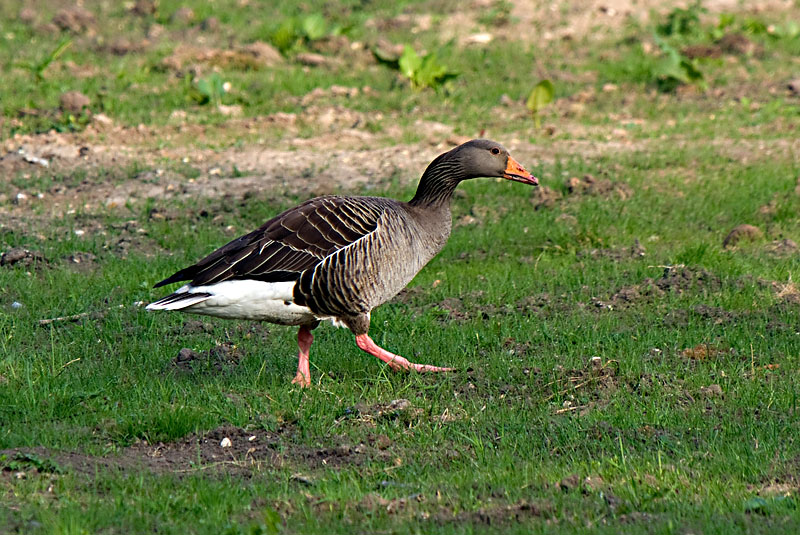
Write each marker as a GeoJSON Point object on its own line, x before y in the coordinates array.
{"type": "Point", "coordinates": [395, 362]}
{"type": "Point", "coordinates": [304, 339]}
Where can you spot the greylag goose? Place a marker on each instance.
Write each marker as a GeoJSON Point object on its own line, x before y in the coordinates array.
{"type": "Point", "coordinates": [336, 258]}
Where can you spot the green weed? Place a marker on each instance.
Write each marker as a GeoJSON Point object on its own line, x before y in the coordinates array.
{"type": "Point", "coordinates": [421, 71]}
{"type": "Point", "coordinates": [541, 95]}
{"type": "Point", "coordinates": [297, 31]}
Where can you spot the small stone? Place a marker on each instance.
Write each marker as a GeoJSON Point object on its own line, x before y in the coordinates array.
{"type": "Point", "coordinates": [251, 438]}
{"type": "Point", "coordinates": [225, 443]}
{"type": "Point", "coordinates": [210, 24]}
{"type": "Point", "coordinates": [311, 59]}
{"type": "Point", "coordinates": [230, 111]}
{"type": "Point", "coordinates": [741, 232]}
{"type": "Point", "coordinates": [27, 15]}
{"type": "Point", "coordinates": [570, 482]}
{"type": "Point", "coordinates": [507, 101]}
{"type": "Point", "coordinates": [155, 31]}
{"type": "Point", "coordinates": [480, 38]}
{"type": "Point", "coordinates": [16, 305]}
{"type": "Point", "coordinates": [102, 119]}
{"type": "Point", "coordinates": [74, 101]}
{"type": "Point", "coordinates": [183, 15]}
{"type": "Point", "coordinates": [144, 7]}
{"type": "Point", "coordinates": [264, 53]}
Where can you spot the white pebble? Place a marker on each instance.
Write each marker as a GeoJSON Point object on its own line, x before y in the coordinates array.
{"type": "Point", "coordinates": [225, 443]}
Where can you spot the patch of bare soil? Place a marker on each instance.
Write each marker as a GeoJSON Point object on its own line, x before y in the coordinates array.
{"type": "Point", "coordinates": [635, 251]}
{"type": "Point", "coordinates": [227, 449]}
{"type": "Point", "coordinates": [546, 197]}
{"type": "Point", "coordinates": [742, 233]}
{"type": "Point", "coordinates": [343, 156]}
{"type": "Point", "coordinates": [82, 262]}
{"type": "Point", "coordinates": [21, 257]}
{"type": "Point", "coordinates": [584, 389]}
{"type": "Point", "coordinates": [219, 358]}
{"type": "Point", "coordinates": [198, 60]}
{"type": "Point", "coordinates": [497, 514]}
{"type": "Point", "coordinates": [675, 279]}
{"type": "Point", "coordinates": [787, 292]}
{"type": "Point", "coordinates": [602, 187]}
{"type": "Point", "coordinates": [782, 248]}
{"type": "Point", "coordinates": [401, 410]}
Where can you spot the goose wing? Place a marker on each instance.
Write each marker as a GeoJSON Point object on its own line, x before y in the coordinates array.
{"type": "Point", "coordinates": [288, 244]}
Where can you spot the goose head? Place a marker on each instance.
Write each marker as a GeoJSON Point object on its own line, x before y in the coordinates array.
{"type": "Point", "coordinates": [486, 158]}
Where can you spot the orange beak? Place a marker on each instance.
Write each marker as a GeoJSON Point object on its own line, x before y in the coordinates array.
{"type": "Point", "coordinates": [514, 171]}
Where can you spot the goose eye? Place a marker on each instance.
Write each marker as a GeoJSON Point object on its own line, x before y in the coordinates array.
{"type": "Point", "coordinates": [495, 150]}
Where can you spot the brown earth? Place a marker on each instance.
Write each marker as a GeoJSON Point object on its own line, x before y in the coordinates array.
{"type": "Point", "coordinates": [242, 453]}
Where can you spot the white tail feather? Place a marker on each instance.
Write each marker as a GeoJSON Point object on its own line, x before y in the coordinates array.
{"type": "Point", "coordinates": [182, 298]}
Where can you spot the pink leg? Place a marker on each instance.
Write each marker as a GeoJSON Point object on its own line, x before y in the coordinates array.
{"type": "Point", "coordinates": [395, 362]}
{"type": "Point", "coordinates": [304, 339]}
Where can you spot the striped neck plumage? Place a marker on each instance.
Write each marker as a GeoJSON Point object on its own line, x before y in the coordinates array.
{"type": "Point", "coordinates": [438, 182]}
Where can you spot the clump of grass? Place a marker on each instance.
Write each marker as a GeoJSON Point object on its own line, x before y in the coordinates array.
{"type": "Point", "coordinates": [421, 71]}
{"type": "Point", "coordinates": [208, 90]}
{"type": "Point", "coordinates": [37, 68]}
{"type": "Point", "coordinates": [296, 32]}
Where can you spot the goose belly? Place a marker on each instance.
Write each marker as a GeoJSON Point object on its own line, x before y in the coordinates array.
{"type": "Point", "coordinates": [252, 300]}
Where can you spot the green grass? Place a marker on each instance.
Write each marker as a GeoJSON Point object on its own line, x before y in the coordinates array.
{"type": "Point", "coordinates": [519, 301]}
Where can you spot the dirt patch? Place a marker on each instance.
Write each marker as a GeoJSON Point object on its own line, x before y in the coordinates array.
{"type": "Point", "coordinates": [707, 352]}
{"type": "Point", "coordinates": [782, 248]}
{"type": "Point", "coordinates": [545, 197]}
{"type": "Point", "coordinates": [787, 292]}
{"type": "Point", "coordinates": [198, 60]}
{"type": "Point", "coordinates": [741, 233]}
{"type": "Point", "coordinates": [76, 19]}
{"type": "Point", "coordinates": [675, 279]}
{"type": "Point", "coordinates": [732, 43]}
{"type": "Point", "coordinates": [534, 304]}
{"type": "Point", "coordinates": [21, 257]}
{"type": "Point", "coordinates": [370, 415]}
{"type": "Point", "coordinates": [227, 449]}
{"type": "Point", "coordinates": [716, 315]}
{"type": "Point", "coordinates": [81, 261]}
{"type": "Point", "coordinates": [636, 250]}
{"type": "Point", "coordinates": [602, 187]}
{"type": "Point", "coordinates": [584, 389]}
{"type": "Point", "coordinates": [219, 358]}
{"type": "Point", "coordinates": [498, 515]}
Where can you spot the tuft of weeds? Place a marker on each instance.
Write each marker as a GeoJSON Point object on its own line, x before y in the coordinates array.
{"type": "Point", "coordinates": [541, 95]}
{"type": "Point", "coordinates": [421, 71]}
{"type": "Point", "coordinates": [296, 32]}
